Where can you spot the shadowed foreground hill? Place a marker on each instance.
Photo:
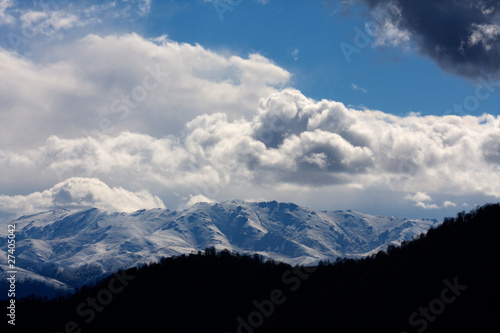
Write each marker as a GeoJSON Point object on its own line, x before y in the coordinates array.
{"type": "Point", "coordinates": [445, 281]}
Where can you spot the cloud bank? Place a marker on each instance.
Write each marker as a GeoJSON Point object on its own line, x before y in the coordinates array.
{"type": "Point", "coordinates": [291, 143]}
{"type": "Point", "coordinates": [99, 120]}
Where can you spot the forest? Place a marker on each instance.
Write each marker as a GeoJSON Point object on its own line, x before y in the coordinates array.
{"type": "Point", "coordinates": [441, 281]}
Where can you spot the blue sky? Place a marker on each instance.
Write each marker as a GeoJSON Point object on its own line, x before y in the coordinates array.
{"type": "Point", "coordinates": [329, 104]}
{"type": "Point", "coordinates": [396, 80]}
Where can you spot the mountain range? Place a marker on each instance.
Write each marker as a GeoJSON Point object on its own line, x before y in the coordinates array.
{"type": "Point", "coordinates": [67, 249]}
{"type": "Point", "coordinates": [444, 280]}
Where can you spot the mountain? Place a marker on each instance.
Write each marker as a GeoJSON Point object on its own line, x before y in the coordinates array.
{"type": "Point", "coordinates": [442, 281]}
{"type": "Point", "coordinates": [69, 249]}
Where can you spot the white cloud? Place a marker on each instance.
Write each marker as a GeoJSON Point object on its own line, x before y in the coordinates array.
{"type": "Point", "coordinates": [50, 22]}
{"type": "Point", "coordinates": [419, 197]}
{"type": "Point", "coordinates": [293, 53]}
{"type": "Point", "coordinates": [423, 200]}
{"type": "Point", "coordinates": [108, 84]}
{"type": "Point", "coordinates": [386, 26]}
{"type": "Point", "coordinates": [4, 17]}
{"type": "Point", "coordinates": [144, 6]}
{"type": "Point", "coordinates": [447, 204]}
{"type": "Point", "coordinates": [95, 10]}
{"type": "Point", "coordinates": [484, 34]}
{"type": "Point", "coordinates": [356, 87]}
{"type": "Point", "coordinates": [80, 193]}
{"type": "Point", "coordinates": [107, 11]}
{"type": "Point", "coordinates": [194, 199]}
{"type": "Point", "coordinates": [391, 34]}
{"type": "Point", "coordinates": [426, 206]}
{"type": "Point", "coordinates": [124, 9]}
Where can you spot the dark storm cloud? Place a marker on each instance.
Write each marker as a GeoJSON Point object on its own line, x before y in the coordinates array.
{"type": "Point", "coordinates": [462, 36]}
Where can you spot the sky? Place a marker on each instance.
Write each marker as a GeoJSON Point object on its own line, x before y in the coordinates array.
{"type": "Point", "coordinates": [384, 107]}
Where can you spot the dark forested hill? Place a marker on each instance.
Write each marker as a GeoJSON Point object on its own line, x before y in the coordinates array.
{"type": "Point", "coordinates": [444, 281]}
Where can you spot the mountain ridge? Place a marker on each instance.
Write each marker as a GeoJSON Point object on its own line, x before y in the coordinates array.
{"type": "Point", "coordinates": [74, 248]}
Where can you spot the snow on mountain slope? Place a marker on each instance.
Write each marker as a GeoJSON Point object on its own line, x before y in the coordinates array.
{"type": "Point", "coordinates": [23, 275]}
{"type": "Point", "coordinates": [74, 248]}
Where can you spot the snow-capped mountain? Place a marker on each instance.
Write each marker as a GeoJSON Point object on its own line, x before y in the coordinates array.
{"type": "Point", "coordinates": [69, 248]}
